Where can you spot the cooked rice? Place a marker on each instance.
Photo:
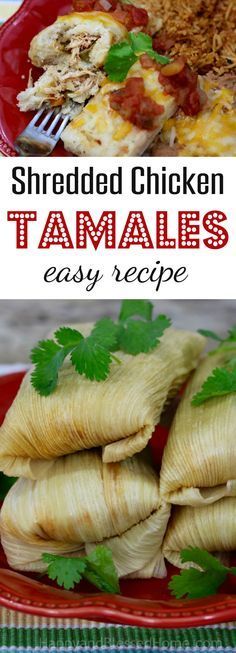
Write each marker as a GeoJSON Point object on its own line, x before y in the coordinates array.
{"type": "Point", "coordinates": [204, 32]}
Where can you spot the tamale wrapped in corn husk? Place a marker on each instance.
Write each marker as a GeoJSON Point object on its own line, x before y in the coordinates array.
{"type": "Point", "coordinates": [119, 413]}
{"type": "Point", "coordinates": [199, 462]}
{"type": "Point", "coordinates": [211, 528]}
{"type": "Point", "coordinates": [82, 502]}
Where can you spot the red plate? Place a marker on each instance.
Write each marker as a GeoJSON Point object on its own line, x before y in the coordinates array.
{"type": "Point", "coordinates": [143, 602]}
{"type": "Point", "coordinates": [15, 37]}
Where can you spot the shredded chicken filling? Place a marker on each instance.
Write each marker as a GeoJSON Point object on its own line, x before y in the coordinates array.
{"type": "Point", "coordinates": [69, 82]}
{"type": "Point", "coordinates": [78, 44]}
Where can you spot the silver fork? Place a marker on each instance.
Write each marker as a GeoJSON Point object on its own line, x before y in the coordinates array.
{"type": "Point", "coordinates": [40, 140]}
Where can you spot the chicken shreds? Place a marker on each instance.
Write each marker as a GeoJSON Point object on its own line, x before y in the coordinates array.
{"type": "Point", "coordinates": [61, 85]}
{"type": "Point", "coordinates": [71, 51]}
{"type": "Point", "coordinates": [203, 31]}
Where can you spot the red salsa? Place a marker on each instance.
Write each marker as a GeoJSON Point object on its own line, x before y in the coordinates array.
{"type": "Point", "coordinates": [128, 15]}
{"type": "Point", "coordinates": [182, 83]}
{"type": "Point", "coordinates": [132, 104]}
{"type": "Point", "coordinates": [162, 43]}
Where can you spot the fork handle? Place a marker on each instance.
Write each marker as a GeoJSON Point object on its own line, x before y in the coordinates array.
{"type": "Point", "coordinates": [28, 147]}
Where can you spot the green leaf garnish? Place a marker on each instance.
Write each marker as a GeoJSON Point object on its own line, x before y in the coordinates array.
{"type": "Point", "coordinates": [68, 337]}
{"type": "Point", "coordinates": [101, 571]}
{"type": "Point", "coordinates": [91, 359]}
{"type": "Point", "coordinates": [203, 559]}
{"type": "Point", "coordinates": [97, 567]}
{"type": "Point", "coordinates": [222, 380]}
{"type": "Point", "coordinates": [123, 55]}
{"type": "Point", "coordinates": [48, 358]}
{"type": "Point", "coordinates": [119, 60]}
{"type": "Point", "coordinates": [141, 43]}
{"type": "Point", "coordinates": [67, 572]}
{"type": "Point", "coordinates": [105, 332]}
{"type": "Point", "coordinates": [139, 336]}
{"type": "Point", "coordinates": [230, 338]}
{"type": "Point", "coordinates": [194, 583]}
{"type": "Point", "coordinates": [231, 335]}
{"type": "Point", "coordinates": [135, 307]}
{"type": "Point", "coordinates": [93, 355]}
{"type": "Point", "coordinates": [210, 334]}
{"type": "Point", "coordinates": [160, 324]}
{"type": "Point", "coordinates": [136, 337]}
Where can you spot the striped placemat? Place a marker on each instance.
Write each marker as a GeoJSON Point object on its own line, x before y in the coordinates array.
{"type": "Point", "coordinates": [22, 633]}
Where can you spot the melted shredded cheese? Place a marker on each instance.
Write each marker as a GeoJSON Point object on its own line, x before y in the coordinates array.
{"type": "Point", "coordinates": [211, 133]}
{"type": "Point", "coordinates": [101, 131]}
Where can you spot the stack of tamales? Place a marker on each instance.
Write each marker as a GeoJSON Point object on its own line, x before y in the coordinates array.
{"type": "Point", "coordinates": [84, 477]}
{"type": "Point", "coordinates": [198, 472]}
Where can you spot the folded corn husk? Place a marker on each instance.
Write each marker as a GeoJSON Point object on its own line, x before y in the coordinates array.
{"type": "Point", "coordinates": [199, 462]}
{"type": "Point", "coordinates": [82, 502]}
{"type": "Point", "coordinates": [211, 528]}
{"type": "Point", "coordinates": [119, 413]}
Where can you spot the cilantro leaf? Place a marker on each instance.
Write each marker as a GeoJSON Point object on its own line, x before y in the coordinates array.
{"type": "Point", "coordinates": [98, 568]}
{"type": "Point", "coordinates": [160, 324]}
{"type": "Point", "coordinates": [119, 60]}
{"type": "Point", "coordinates": [66, 336]}
{"type": "Point", "coordinates": [231, 337]}
{"type": "Point", "coordinates": [203, 559]}
{"type": "Point", "coordinates": [48, 358]}
{"type": "Point", "coordinates": [66, 571]}
{"type": "Point", "coordinates": [123, 55]}
{"type": "Point", "coordinates": [210, 334]}
{"type": "Point", "coordinates": [101, 571]}
{"type": "Point", "coordinates": [140, 42]}
{"type": "Point", "coordinates": [221, 382]}
{"type": "Point", "coordinates": [105, 331]}
{"type": "Point", "coordinates": [231, 334]}
{"type": "Point", "coordinates": [92, 356]}
{"type": "Point", "coordinates": [138, 336]}
{"type": "Point", "coordinates": [160, 58]}
{"type": "Point", "coordinates": [91, 359]}
{"type": "Point", "coordinates": [132, 307]}
{"type": "Point", "coordinates": [194, 583]}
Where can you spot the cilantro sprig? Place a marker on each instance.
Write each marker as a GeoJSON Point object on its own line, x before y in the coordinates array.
{"type": "Point", "coordinates": [196, 583]}
{"type": "Point", "coordinates": [97, 567]}
{"type": "Point", "coordinates": [224, 343]}
{"type": "Point", "coordinates": [92, 356]}
{"type": "Point", "coordinates": [135, 307]}
{"type": "Point", "coordinates": [88, 356]}
{"type": "Point", "coordinates": [138, 336]}
{"type": "Point", "coordinates": [124, 54]}
{"type": "Point", "coordinates": [222, 380]}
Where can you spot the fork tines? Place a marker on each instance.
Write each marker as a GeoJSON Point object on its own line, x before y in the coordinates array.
{"type": "Point", "coordinates": [51, 120]}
